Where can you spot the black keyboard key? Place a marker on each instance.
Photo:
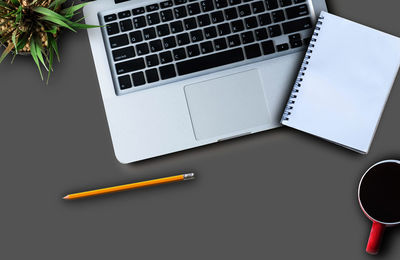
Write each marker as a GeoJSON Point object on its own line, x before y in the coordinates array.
{"type": "Point", "coordinates": [180, 12]}
{"type": "Point", "coordinates": [258, 7]}
{"type": "Point", "coordinates": [156, 45]}
{"type": "Point", "coordinates": [296, 11]}
{"type": "Point", "coordinates": [206, 47]}
{"type": "Point", "coordinates": [296, 44]}
{"type": "Point", "coordinates": [196, 36]}
{"type": "Point", "coordinates": [224, 29]}
{"type": "Point", "coordinates": [124, 14]}
{"type": "Point", "coordinates": [299, 1]}
{"type": "Point", "coordinates": [217, 17]}
{"type": "Point", "coordinates": [220, 44]}
{"type": "Point", "coordinates": [152, 75]}
{"type": "Point", "coordinates": [193, 50]}
{"type": "Point", "coordinates": [252, 51]}
{"type": "Point", "coordinates": [193, 9]}
{"type": "Point", "coordinates": [275, 30]}
{"type": "Point", "coordinates": [137, 11]}
{"type": "Point", "coordinates": [176, 26]}
{"type": "Point", "coordinates": [264, 19]}
{"type": "Point", "coordinates": [162, 30]}
{"type": "Point", "coordinates": [136, 36]}
{"type": "Point", "coordinates": [268, 47]}
{"type": "Point", "coordinates": [112, 28]}
{"type": "Point", "coordinates": [250, 22]}
{"type": "Point", "coordinates": [179, 2]}
{"type": "Point", "coordinates": [278, 16]}
{"type": "Point", "coordinates": [139, 22]}
{"type": "Point", "coordinates": [142, 49]}
{"type": "Point", "coordinates": [234, 2]}
{"type": "Point", "coordinates": [244, 10]}
{"type": "Point", "coordinates": [237, 26]}
{"type": "Point", "coordinates": [125, 82]}
{"type": "Point", "coordinates": [118, 41]}
{"type": "Point", "coordinates": [221, 4]}
{"type": "Point", "coordinates": [129, 66]}
{"type": "Point", "coordinates": [152, 60]}
{"type": "Point", "coordinates": [167, 72]}
{"type": "Point", "coordinates": [138, 79]}
{"type": "Point", "coordinates": [166, 15]}
{"type": "Point", "coordinates": [203, 20]}
{"type": "Point", "coordinates": [210, 32]}
{"type": "Point", "coordinates": [179, 54]}
{"type": "Point", "coordinates": [149, 33]}
{"type": "Point", "coordinates": [123, 54]}
{"type": "Point", "coordinates": [297, 25]}
{"type": "Point", "coordinates": [165, 57]}
{"type": "Point", "coordinates": [166, 4]}
{"type": "Point", "coordinates": [190, 23]}
{"type": "Point", "coordinates": [231, 13]}
{"type": "Point", "coordinates": [183, 39]}
{"type": "Point", "coordinates": [271, 4]}
{"type": "Point", "coordinates": [153, 18]}
{"type": "Point", "coordinates": [282, 47]}
{"type": "Point", "coordinates": [295, 37]}
{"type": "Point", "coordinates": [110, 18]}
{"type": "Point", "coordinates": [169, 42]}
{"type": "Point", "coordinates": [207, 5]}
{"type": "Point", "coordinates": [261, 34]}
{"type": "Point", "coordinates": [126, 25]}
{"type": "Point", "coordinates": [210, 61]}
{"type": "Point", "coordinates": [153, 7]}
{"type": "Point", "coordinates": [285, 3]}
{"type": "Point", "coordinates": [233, 40]}
{"type": "Point", "coordinates": [247, 37]}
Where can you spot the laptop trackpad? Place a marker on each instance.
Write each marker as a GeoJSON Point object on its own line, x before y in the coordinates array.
{"type": "Point", "coordinates": [229, 104]}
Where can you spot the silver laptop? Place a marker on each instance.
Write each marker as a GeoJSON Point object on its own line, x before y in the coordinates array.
{"type": "Point", "coordinates": [177, 74]}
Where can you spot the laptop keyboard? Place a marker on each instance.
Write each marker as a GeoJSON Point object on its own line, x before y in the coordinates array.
{"type": "Point", "coordinates": [159, 43]}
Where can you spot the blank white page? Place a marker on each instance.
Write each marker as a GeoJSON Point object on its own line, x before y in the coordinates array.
{"type": "Point", "coordinates": [346, 84]}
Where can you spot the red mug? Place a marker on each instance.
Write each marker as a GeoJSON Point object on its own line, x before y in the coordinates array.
{"type": "Point", "coordinates": [379, 198]}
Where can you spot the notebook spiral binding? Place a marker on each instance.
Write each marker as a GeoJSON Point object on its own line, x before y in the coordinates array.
{"type": "Point", "coordinates": [297, 84]}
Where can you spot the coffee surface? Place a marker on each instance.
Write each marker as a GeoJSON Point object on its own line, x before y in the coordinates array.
{"type": "Point", "coordinates": [380, 192]}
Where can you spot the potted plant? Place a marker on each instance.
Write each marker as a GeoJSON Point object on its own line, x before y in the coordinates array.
{"type": "Point", "coordinates": [33, 26]}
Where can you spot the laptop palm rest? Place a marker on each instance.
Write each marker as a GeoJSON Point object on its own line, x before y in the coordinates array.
{"type": "Point", "coordinates": [226, 105]}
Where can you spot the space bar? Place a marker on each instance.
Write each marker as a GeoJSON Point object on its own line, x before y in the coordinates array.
{"type": "Point", "coordinates": [210, 61]}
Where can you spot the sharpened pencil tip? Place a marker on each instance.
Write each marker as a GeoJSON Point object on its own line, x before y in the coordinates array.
{"type": "Point", "coordinates": [65, 197]}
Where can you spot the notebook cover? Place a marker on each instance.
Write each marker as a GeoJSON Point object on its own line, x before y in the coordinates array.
{"type": "Point", "coordinates": [346, 78]}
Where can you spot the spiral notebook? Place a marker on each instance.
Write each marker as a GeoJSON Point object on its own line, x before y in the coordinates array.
{"type": "Point", "coordinates": [343, 83]}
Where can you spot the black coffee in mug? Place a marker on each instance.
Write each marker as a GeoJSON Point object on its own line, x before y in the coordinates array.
{"type": "Point", "coordinates": [379, 192]}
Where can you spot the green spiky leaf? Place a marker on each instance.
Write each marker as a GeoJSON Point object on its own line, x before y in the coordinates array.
{"type": "Point", "coordinates": [6, 52]}
{"type": "Point", "coordinates": [51, 57]}
{"type": "Point", "coordinates": [57, 21]}
{"type": "Point", "coordinates": [15, 2]}
{"type": "Point", "coordinates": [34, 55]}
{"type": "Point", "coordinates": [53, 45]}
{"type": "Point", "coordinates": [14, 40]}
{"type": "Point", "coordinates": [57, 3]}
{"type": "Point", "coordinates": [82, 26]}
{"type": "Point", "coordinates": [70, 11]}
{"type": "Point", "coordinates": [23, 39]}
{"type": "Point", "coordinates": [53, 30]}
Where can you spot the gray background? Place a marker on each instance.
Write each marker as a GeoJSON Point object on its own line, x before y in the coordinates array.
{"type": "Point", "coordinates": [276, 195]}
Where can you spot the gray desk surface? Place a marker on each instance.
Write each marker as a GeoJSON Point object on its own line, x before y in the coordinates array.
{"type": "Point", "coordinates": [275, 195]}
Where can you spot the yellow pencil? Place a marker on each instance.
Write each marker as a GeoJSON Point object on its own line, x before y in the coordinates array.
{"type": "Point", "coordinates": [131, 186]}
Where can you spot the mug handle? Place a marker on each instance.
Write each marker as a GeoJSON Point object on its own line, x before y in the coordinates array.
{"type": "Point", "coordinates": [375, 237]}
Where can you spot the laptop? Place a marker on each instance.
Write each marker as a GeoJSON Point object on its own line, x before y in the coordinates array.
{"type": "Point", "coordinates": [178, 74]}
